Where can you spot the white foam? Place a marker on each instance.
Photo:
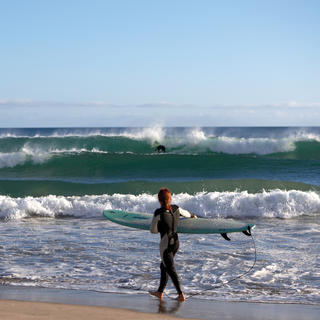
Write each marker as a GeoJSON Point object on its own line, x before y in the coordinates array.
{"type": "Point", "coordinates": [38, 155]}
{"type": "Point", "coordinates": [196, 136]}
{"type": "Point", "coordinates": [273, 204]}
{"type": "Point", "coordinates": [244, 145]}
{"type": "Point", "coordinates": [152, 135]}
{"type": "Point", "coordinates": [266, 273]}
{"type": "Point", "coordinates": [155, 133]}
{"type": "Point", "coordinates": [12, 159]}
{"type": "Point", "coordinates": [260, 146]}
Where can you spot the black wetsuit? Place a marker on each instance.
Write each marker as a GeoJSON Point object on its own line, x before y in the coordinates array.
{"type": "Point", "coordinates": [166, 222]}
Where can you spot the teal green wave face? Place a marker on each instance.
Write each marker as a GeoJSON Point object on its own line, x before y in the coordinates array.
{"type": "Point", "coordinates": [97, 167]}
{"type": "Point", "coordinates": [44, 188]}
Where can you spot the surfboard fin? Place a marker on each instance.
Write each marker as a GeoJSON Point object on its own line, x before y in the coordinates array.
{"type": "Point", "coordinates": [247, 232]}
{"type": "Point", "coordinates": [225, 236]}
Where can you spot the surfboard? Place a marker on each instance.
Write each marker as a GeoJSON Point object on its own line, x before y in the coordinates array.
{"type": "Point", "coordinates": [142, 221]}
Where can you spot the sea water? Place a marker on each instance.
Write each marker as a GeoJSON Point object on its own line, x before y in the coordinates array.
{"type": "Point", "coordinates": [55, 183]}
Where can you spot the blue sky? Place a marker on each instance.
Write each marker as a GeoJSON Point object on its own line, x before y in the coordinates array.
{"type": "Point", "coordinates": [117, 63]}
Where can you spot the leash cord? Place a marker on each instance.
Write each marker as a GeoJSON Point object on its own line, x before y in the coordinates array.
{"type": "Point", "coordinates": [220, 284]}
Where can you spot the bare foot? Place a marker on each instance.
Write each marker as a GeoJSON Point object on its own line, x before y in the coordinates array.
{"type": "Point", "coordinates": [156, 294]}
{"type": "Point", "coordinates": [181, 297]}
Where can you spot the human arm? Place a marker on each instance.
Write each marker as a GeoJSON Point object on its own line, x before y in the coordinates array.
{"type": "Point", "coordinates": [186, 213]}
{"type": "Point", "coordinates": [154, 223]}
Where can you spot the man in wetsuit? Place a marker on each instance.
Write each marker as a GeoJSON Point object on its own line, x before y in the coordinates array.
{"type": "Point", "coordinates": [165, 221]}
{"type": "Point", "coordinates": [161, 148]}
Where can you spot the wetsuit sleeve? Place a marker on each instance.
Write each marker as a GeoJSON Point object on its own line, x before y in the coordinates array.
{"type": "Point", "coordinates": [185, 213]}
{"type": "Point", "coordinates": [154, 223]}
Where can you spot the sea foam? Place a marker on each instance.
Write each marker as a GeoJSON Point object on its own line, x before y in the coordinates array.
{"type": "Point", "coordinates": [272, 204]}
{"type": "Point", "coordinates": [12, 159]}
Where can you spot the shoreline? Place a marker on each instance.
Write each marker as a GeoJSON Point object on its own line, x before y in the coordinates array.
{"type": "Point", "coordinates": [80, 302]}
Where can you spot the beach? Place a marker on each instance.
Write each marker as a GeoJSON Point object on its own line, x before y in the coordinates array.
{"type": "Point", "coordinates": [41, 310]}
{"type": "Point", "coordinates": [40, 303]}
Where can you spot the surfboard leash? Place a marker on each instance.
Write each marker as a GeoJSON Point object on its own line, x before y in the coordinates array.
{"type": "Point", "coordinates": [221, 283]}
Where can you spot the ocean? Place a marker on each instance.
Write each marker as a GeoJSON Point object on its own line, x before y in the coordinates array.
{"type": "Point", "coordinates": [55, 183]}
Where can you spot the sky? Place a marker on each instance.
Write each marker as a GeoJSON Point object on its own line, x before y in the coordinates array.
{"type": "Point", "coordinates": [88, 63]}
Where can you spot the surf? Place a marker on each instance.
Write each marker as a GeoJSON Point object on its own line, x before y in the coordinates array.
{"type": "Point", "coordinates": [21, 147]}
{"type": "Point", "coordinates": [283, 204]}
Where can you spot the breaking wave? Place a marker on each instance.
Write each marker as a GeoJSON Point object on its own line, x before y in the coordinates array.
{"type": "Point", "coordinates": [272, 204]}
{"type": "Point", "coordinates": [18, 146]}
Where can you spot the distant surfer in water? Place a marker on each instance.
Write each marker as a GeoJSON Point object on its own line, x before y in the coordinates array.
{"type": "Point", "coordinates": [165, 221]}
{"type": "Point", "coordinates": [161, 148]}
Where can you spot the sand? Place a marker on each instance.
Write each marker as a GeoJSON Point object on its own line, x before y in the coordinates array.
{"type": "Point", "coordinates": [29, 303]}
{"type": "Point", "coordinates": [22, 310]}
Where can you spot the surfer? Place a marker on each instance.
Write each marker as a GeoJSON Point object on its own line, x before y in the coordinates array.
{"type": "Point", "coordinates": [161, 148]}
{"type": "Point", "coordinates": [165, 221]}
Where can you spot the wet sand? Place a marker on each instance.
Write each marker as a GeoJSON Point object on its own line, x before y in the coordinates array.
{"type": "Point", "coordinates": [24, 303]}
{"type": "Point", "coordinates": [22, 310]}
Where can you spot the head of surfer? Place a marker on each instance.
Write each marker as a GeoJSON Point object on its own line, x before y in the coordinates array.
{"type": "Point", "coordinates": [164, 197]}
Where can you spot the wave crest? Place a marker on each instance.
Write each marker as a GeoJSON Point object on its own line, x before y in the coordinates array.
{"type": "Point", "coordinates": [273, 204]}
{"type": "Point", "coordinates": [12, 159]}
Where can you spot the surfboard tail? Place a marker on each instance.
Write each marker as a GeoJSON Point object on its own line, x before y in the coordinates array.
{"type": "Point", "coordinates": [246, 232]}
